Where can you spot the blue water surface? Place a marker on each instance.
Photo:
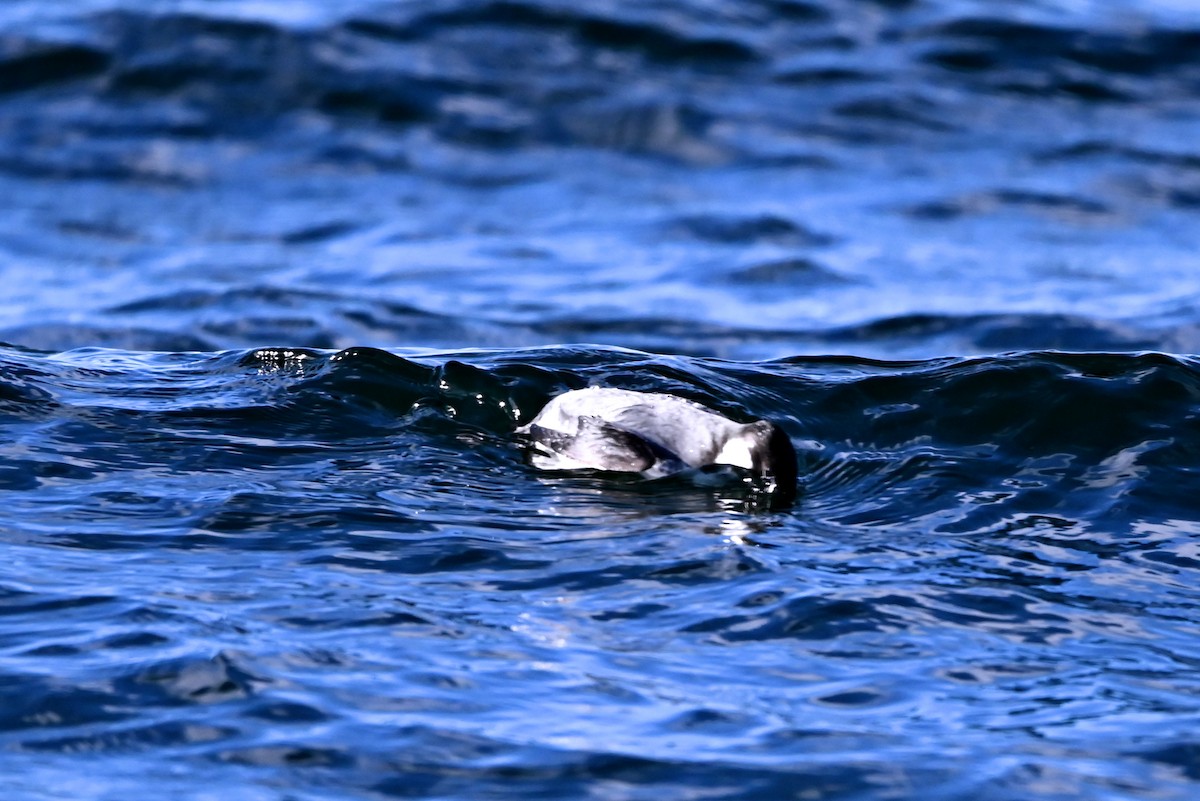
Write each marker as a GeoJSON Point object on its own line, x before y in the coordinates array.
{"type": "Point", "coordinates": [281, 279]}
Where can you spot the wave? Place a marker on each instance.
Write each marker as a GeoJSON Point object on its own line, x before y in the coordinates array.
{"type": "Point", "coordinates": [968, 445]}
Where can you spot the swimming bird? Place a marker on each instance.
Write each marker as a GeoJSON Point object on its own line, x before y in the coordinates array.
{"type": "Point", "coordinates": [654, 434]}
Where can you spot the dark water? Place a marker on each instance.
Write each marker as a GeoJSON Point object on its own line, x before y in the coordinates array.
{"type": "Point", "coordinates": [280, 278]}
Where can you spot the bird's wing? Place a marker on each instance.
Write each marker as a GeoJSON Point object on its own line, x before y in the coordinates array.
{"type": "Point", "coordinates": [599, 445]}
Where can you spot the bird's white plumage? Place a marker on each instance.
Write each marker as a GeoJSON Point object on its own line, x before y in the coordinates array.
{"type": "Point", "coordinates": [694, 435]}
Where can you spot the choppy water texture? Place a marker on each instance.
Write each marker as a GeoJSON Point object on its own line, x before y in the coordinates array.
{"type": "Point", "coordinates": [280, 278]}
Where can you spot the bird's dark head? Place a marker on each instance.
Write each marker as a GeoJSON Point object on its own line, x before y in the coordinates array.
{"type": "Point", "coordinates": [766, 450]}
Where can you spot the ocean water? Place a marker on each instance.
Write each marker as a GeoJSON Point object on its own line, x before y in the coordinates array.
{"type": "Point", "coordinates": [279, 279]}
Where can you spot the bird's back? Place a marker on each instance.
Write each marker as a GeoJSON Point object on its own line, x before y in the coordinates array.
{"type": "Point", "coordinates": [603, 420]}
